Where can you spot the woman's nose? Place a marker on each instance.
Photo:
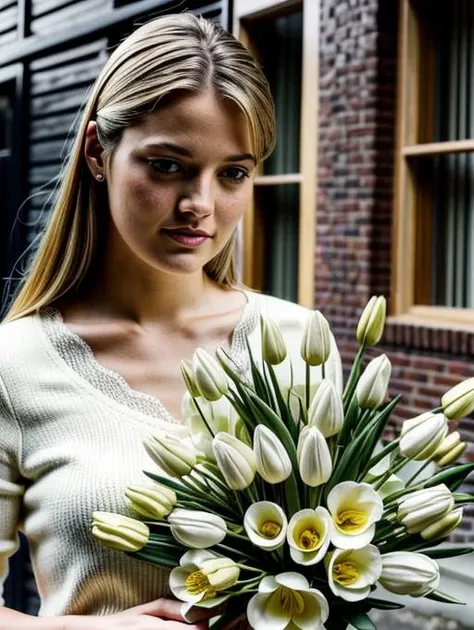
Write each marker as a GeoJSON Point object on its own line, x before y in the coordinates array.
{"type": "Point", "coordinates": [199, 198]}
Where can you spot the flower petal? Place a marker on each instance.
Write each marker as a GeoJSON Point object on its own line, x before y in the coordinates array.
{"type": "Point", "coordinates": [264, 614]}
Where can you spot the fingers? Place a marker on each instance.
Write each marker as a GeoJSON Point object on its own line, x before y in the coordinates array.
{"type": "Point", "coordinates": [167, 608]}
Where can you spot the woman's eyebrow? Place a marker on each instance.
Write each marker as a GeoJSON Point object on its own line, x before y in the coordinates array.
{"type": "Point", "coordinates": [177, 148]}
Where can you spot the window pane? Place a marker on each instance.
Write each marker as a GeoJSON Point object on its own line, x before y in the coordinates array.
{"type": "Point", "coordinates": [278, 209]}
{"type": "Point", "coordinates": [445, 230]}
{"type": "Point", "coordinates": [454, 68]}
{"type": "Point", "coordinates": [278, 44]}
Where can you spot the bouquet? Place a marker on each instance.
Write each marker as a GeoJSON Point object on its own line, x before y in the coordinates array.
{"type": "Point", "coordinates": [287, 504]}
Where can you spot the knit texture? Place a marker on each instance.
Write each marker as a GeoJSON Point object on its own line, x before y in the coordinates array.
{"type": "Point", "coordinates": [71, 440]}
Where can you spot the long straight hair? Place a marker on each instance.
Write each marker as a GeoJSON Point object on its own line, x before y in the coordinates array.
{"type": "Point", "coordinates": [164, 57]}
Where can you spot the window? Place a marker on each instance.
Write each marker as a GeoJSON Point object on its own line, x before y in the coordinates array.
{"type": "Point", "coordinates": [279, 230]}
{"type": "Point", "coordinates": [434, 203]}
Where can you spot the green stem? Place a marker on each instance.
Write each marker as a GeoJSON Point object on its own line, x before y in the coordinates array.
{"type": "Point", "coordinates": [203, 418]}
{"type": "Point", "coordinates": [420, 469]}
{"type": "Point", "coordinates": [251, 569]}
{"type": "Point", "coordinates": [235, 535]}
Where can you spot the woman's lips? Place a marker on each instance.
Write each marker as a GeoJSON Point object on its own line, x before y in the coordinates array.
{"type": "Point", "coordinates": [186, 239]}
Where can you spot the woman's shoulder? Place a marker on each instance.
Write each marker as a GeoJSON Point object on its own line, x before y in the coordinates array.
{"type": "Point", "coordinates": [280, 310]}
{"type": "Point", "coordinates": [20, 341]}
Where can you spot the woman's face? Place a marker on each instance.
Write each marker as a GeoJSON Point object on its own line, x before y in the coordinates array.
{"type": "Point", "coordinates": [179, 182]}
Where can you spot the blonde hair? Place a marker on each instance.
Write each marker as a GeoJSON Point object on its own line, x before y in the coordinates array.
{"type": "Point", "coordinates": [164, 57]}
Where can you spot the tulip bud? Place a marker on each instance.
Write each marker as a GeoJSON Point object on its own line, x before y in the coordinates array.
{"type": "Point", "coordinates": [273, 462]}
{"type": "Point", "coordinates": [449, 450]}
{"type": "Point", "coordinates": [118, 532]}
{"type": "Point", "coordinates": [188, 376]}
{"type": "Point", "coordinates": [209, 376]}
{"type": "Point", "coordinates": [221, 573]}
{"type": "Point", "coordinates": [273, 346]}
{"type": "Point", "coordinates": [421, 508]}
{"type": "Point", "coordinates": [170, 454]}
{"type": "Point", "coordinates": [443, 527]}
{"type": "Point", "coordinates": [373, 384]}
{"type": "Point", "coordinates": [326, 411]}
{"type": "Point", "coordinates": [372, 321]}
{"type": "Point", "coordinates": [453, 455]}
{"type": "Point", "coordinates": [235, 459]}
{"type": "Point", "coordinates": [197, 529]}
{"type": "Point", "coordinates": [409, 573]}
{"type": "Point", "coordinates": [314, 458]}
{"type": "Point", "coordinates": [316, 342]}
{"type": "Point", "coordinates": [153, 503]}
{"type": "Point", "coordinates": [459, 400]}
{"type": "Point", "coordinates": [422, 436]}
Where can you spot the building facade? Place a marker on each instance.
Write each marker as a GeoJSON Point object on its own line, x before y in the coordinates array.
{"type": "Point", "coordinates": [370, 189]}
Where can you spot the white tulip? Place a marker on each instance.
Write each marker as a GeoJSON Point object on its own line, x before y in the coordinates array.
{"type": "Point", "coordinates": [152, 503]}
{"type": "Point", "coordinates": [308, 535]}
{"type": "Point", "coordinates": [118, 532]}
{"type": "Point", "coordinates": [326, 411]}
{"type": "Point", "coordinates": [450, 449]}
{"type": "Point", "coordinates": [352, 572]}
{"type": "Point", "coordinates": [235, 459]}
{"type": "Point", "coordinates": [200, 577]}
{"type": "Point", "coordinates": [372, 321]}
{"type": "Point", "coordinates": [424, 507]}
{"type": "Point", "coordinates": [316, 342]}
{"type": "Point", "coordinates": [286, 601]}
{"type": "Point", "coordinates": [372, 387]}
{"type": "Point", "coordinates": [355, 508]}
{"type": "Point", "coordinates": [197, 529]}
{"type": "Point", "coordinates": [273, 346]}
{"type": "Point", "coordinates": [209, 376]}
{"type": "Point", "coordinates": [459, 400]}
{"type": "Point", "coordinates": [272, 460]}
{"type": "Point", "coordinates": [188, 377]}
{"type": "Point", "coordinates": [170, 454]}
{"type": "Point", "coordinates": [314, 458]}
{"type": "Point", "coordinates": [409, 573]}
{"type": "Point", "coordinates": [266, 525]}
{"type": "Point", "coordinates": [444, 526]}
{"type": "Point", "coordinates": [421, 436]}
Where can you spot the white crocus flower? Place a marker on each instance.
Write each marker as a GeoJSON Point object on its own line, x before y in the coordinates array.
{"type": "Point", "coordinates": [355, 508]}
{"type": "Point", "coordinates": [118, 532]}
{"type": "Point", "coordinates": [197, 529]}
{"type": "Point", "coordinates": [459, 400]}
{"type": "Point", "coordinates": [272, 460]}
{"type": "Point", "coordinates": [326, 411]}
{"type": "Point", "coordinates": [352, 572]}
{"type": "Point", "coordinates": [235, 459]}
{"type": "Point", "coordinates": [424, 507]}
{"type": "Point", "coordinates": [200, 577]}
{"type": "Point", "coordinates": [421, 436]}
{"type": "Point", "coordinates": [285, 602]}
{"type": "Point", "coordinates": [266, 525]}
{"type": "Point", "coordinates": [409, 573]}
{"type": "Point", "coordinates": [209, 376]}
{"type": "Point", "coordinates": [308, 535]}
{"type": "Point", "coordinates": [314, 458]}
{"type": "Point", "coordinates": [170, 454]}
{"type": "Point", "coordinates": [372, 387]}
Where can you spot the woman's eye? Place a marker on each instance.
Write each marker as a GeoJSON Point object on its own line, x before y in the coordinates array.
{"type": "Point", "coordinates": [165, 167]}
{"type": "Point", "coordinates": [236, 174]}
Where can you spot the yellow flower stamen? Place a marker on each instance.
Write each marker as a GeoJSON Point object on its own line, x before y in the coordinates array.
{"type": "Point", "coordinates": [270, 529]}
{"type": "Point", "coordinates": [351, 520]}
{"type": "Point", "coordinates": [197, 583]}
{"type": "Point", "coordinates": [309, 539]}
{"type": "Point", "coordinates": [291, 601]}
{"type": "Point", "coordinates": [345, 573]}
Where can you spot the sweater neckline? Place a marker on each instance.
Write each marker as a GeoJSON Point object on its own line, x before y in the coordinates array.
{"type": "Point", "coordinates": [79, 356]}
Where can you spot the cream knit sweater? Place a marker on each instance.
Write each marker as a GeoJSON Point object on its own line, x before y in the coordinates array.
{"type": "Point", "coordinates": [71, 437]}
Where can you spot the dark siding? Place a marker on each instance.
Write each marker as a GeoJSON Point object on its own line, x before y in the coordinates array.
{"type": "Point", "coordinates": [8, 21]}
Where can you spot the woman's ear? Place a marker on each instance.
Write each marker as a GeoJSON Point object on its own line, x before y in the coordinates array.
{"type": "Point", "coordinates": [93, 152]}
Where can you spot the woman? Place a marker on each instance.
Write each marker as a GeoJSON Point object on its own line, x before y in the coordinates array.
{"type": "Point", "coordinates": [135, 271]}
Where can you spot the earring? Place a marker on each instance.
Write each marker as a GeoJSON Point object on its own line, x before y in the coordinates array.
{"type": "Point", "coordinates": [99, 177]}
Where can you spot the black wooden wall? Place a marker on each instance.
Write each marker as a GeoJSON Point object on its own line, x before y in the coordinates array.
{"type": "Point", "coordinates": [51, 51]}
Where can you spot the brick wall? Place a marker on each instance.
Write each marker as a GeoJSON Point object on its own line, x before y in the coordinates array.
{"type": "Point", "coordinates": [358, 62]}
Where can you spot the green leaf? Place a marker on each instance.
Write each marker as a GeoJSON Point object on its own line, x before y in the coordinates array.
{"type": "Point", "coordinates": [453, 477]}
{"type": "Point", "coordinates": [448, 552]}
{"type": "Point", "coordinates": [359, 620]}
{"type": "Point", "coordinates": [382, 604]}
{"type": "Point", "coordinates": [284, 410]}
{"type": "Point", "coordinates": [438, 596]}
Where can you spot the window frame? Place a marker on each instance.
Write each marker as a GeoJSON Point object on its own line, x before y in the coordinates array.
{"type": "Point", "coordinates": [246, 11]}
{"type": "Point", "coordinates": [410, 249]}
